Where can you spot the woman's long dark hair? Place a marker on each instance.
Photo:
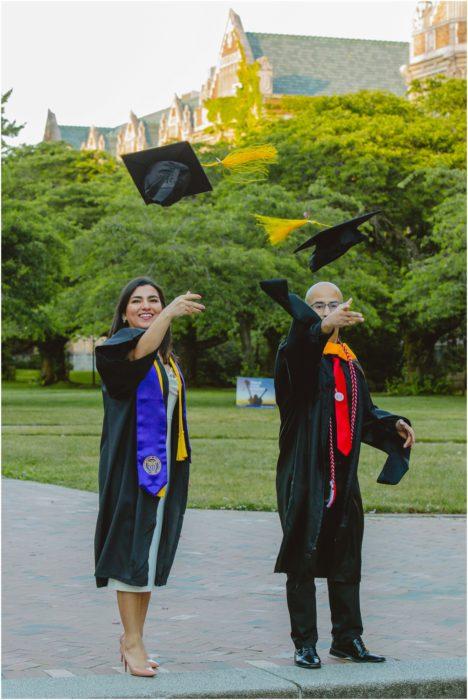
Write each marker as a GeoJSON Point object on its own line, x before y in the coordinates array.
{"type": "Point", "coordinates": [117, 322]}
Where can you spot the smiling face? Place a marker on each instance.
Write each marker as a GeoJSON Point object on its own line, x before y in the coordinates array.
{"type": "Point", "coordinates": [324, 297]}
{"type": "Point", "coordinates": [143, 306]}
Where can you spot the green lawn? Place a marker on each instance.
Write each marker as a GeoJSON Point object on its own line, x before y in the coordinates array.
{"type": "Point", "coordinates": [52, 435]}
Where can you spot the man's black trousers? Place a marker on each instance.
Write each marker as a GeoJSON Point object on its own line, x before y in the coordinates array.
{"type": "Point", "coordinates": [344, 608]}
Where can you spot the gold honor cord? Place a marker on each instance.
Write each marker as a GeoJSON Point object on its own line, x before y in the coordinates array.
{"type": "Point", "coordinates": [181, 442]}
{"type": "Point", "coordinates": [247, 164]}
{"type": "Point", "coordinates": [279, 229]}
{"type": "Point", "coordinates": [158, 372]}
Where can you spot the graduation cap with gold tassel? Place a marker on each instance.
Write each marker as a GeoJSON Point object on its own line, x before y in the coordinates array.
{"type": "Point", "coordinates": [330, 243]}
{"type": "Point", "coordinates": [279, 229]}
{"type": "Point", "coordinates": [165, 174]}
{"type": "Point", "coordinates": [247, 164]}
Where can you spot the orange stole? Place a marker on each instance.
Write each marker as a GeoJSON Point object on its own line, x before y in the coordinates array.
{"type": "Point", "coordinates": [337, 349]}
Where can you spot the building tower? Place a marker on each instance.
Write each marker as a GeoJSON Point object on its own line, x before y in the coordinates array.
{"type": "Point", "coordinates": [438, 42]}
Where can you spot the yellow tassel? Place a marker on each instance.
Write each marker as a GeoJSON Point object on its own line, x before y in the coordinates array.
{"type": "Point", "coordinates": [251, 162]}
{"type": "Point", "coordinates": [181, 444]}
{"type": "Point", "coordinates": [279, 229]}
{"type": "Point", "coordinates": [158, 372]}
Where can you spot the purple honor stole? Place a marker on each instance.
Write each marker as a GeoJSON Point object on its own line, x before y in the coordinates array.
{"type": "Point", "coordinates": [151, 430]}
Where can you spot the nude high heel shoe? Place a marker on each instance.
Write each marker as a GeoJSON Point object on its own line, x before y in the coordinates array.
{"type": "Point", "coordinates": [151, 662]}
{"type": "Point", "coordinates": [143, 672]}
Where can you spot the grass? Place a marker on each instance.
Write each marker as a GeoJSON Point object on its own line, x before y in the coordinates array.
{"type": "Point", "coordinates": [52, 435]}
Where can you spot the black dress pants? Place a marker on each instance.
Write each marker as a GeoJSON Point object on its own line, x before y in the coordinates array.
{"type": "Point", "coordinates": [344, 608]}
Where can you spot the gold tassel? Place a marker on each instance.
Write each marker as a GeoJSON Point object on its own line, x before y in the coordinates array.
{"type": "Point", "coordinates": [251, 162]}
{"type": "Point", "coordinates": [158, 372]}
{"type": "Point", "coordinates": [278, 229]}
{"type": "Point", "coordinates": [181, 444]}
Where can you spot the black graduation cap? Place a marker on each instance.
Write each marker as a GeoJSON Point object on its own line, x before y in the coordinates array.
{"type": "Point", "coordinates": [333, 242]}
{"type": "Point", "coordinates": [166, 174]}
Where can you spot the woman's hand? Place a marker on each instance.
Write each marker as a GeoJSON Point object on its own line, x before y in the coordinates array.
{"type": "Point", "coordinates": [341, 317]}
{"type": "Point", "coordinates": [154, 335]}
{"type": "Point", "coordinates": [184, 305]}
{"type": "Point", "coordinates": [406, 432]}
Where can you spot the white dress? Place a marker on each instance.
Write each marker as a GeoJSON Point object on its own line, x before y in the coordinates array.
{"type": "Point", "coordinates": [114, 584]}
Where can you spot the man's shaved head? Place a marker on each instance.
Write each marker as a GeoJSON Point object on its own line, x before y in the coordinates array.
{"type": "Point", "coordinates": [323, 291]}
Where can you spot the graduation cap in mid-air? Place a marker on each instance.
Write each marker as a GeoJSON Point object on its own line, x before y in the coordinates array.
{"type": "Point", "coordinates": [330, 243]}
{"type": "Point", "coordinates": [166, 174]}
{"type": "Point", "coordinates": [333, 242]}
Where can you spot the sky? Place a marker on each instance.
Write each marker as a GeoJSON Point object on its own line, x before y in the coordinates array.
{"type": "Point", "coordinates": [91, 62]}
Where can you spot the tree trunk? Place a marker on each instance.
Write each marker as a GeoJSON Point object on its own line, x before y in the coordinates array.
{"type": "Point", "coordinates": [418, 356]}
{"type": "Point", "coordinates": [245, 329]}
{"type": "Point", "coordinates": [187, 348]}
{"type": "Point", "coordinates": [11, 348]}
{"type": "Point", "coordinates": [191, 348]}
{"type": "Point", "coordinates": [8, 363]}
{"type": "Point", "coordinates": [54, 366]}
{"type": "Point", "coordinates": [212, 342]}
{"type": "Point", "coordinates": [272, 338]}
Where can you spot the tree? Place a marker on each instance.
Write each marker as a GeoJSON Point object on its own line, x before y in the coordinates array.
{"type": "Point", "coordinates": [407, 158]}
{"type": "Point", "coordinates": [432, 297]}
{"type": "Point", "coordinates": [34, 262]}
{"type": "Point", "coordinates": [339, 156]}
{"type": "Point", "coordinates": [51, 193]}
{"type": "Point", "coordinates": [9, 128]}
{"type": "Point", "coordinates": [198, 245]}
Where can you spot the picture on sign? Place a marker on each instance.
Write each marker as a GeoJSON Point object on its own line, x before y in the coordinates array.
{"type": "Point", "coordinates": [255, 392]}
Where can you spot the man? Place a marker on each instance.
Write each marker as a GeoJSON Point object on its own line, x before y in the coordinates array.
{"type": "Point", "coordinates": [326, 412]}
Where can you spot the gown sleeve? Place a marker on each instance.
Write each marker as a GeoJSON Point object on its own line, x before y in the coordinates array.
{"type": "Point", "coordinates": [379, 430]}
{"type": "Point", "coordinates": [304, 345]}
{"type": "Point", "coordinates": [120, 375]}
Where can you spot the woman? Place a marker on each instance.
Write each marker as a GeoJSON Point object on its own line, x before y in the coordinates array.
{"type": "Point", "coordinates": [145, 456]}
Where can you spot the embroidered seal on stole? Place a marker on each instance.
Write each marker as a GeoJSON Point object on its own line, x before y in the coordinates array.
{"type": "Point", "coordinates": [152, 465]}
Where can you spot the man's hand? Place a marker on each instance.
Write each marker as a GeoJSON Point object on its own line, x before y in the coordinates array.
{"type": "Point", "coordinates": [341, 317]}
{"type": "Point", "coordinates": [406, 432]}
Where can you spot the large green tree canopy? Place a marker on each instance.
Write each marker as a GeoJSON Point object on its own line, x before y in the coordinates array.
{"type": "Point", "coordinates": [76, 230]}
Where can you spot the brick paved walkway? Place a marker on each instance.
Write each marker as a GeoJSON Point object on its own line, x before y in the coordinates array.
{"type": "Point", "coordinates": [223, 607]}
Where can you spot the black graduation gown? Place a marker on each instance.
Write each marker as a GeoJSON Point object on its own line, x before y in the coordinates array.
{"type": "Point", "coordinates": [127, 514]}
{"type": "Point", "coordinates": [317, 542]}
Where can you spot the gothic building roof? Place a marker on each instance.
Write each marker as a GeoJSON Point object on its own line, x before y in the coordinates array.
{"type": "Point", "coordinates": [75, 135]}
{"type": "Point", "coordinates": [191, 99]}
{"type": "Point", "coordinates": [315, 65]}
{"type": "Point", "coordinates": [290, 65]}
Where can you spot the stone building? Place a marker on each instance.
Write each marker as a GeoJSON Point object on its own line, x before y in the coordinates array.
{"type": "Point", "coordinates": [288, 65]}
{"type": "Point", "coordinates": [438, 42]}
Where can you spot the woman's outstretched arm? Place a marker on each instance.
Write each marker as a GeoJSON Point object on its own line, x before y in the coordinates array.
{"type": "Point", "coordinates": [154, 335]}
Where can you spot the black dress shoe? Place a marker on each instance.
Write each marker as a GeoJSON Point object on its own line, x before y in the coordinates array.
{"type": "Point", "coordinates": [307, 657]}
{"type": "Point", "coordinates": [355, 650]}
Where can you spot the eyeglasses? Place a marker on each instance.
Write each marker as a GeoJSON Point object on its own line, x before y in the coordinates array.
{"type": "Point", "coordinates": [321, 306]}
